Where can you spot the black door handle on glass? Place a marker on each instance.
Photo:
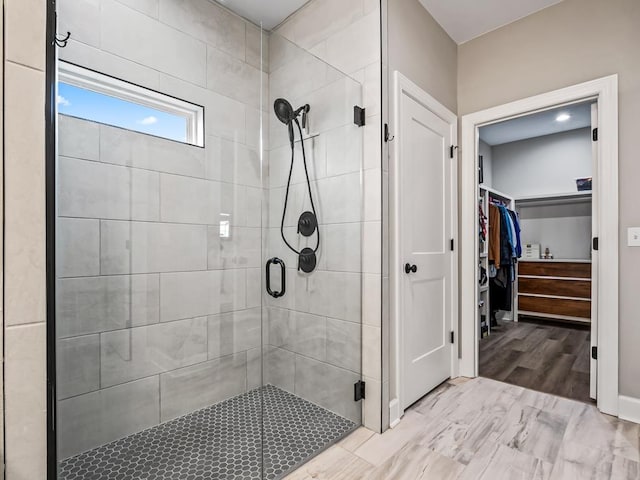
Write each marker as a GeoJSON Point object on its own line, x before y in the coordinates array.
{"type": "Point", "coordinates": [408, 268]}
{"type": "Point", "coordinates": [277, 261]}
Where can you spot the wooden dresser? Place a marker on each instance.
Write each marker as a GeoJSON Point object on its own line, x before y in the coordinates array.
{"type": "Point", "coordinates": [555, 289]}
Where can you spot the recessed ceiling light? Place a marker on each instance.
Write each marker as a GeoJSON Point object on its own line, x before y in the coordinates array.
{"type": "Point", "coordinates": [563, 117]}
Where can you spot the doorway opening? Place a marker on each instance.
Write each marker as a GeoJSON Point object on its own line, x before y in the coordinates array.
{"type": "Point", "coordinates": [572, 217]}
{"type": "Point", "coordinates": [536, 287]}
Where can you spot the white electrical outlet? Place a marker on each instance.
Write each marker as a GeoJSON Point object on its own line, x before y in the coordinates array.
{"type": "Point", "coordinates": [633, 237]}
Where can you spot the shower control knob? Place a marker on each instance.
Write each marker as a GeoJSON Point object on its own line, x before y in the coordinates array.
{"type": "Point", "coordinates": [408, 268]}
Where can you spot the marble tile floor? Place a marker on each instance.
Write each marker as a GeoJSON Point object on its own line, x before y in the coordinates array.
{"type": "Point", "coordinates": [485, 429]}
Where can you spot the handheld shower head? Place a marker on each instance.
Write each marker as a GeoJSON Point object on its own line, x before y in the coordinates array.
{"type": "Point", "coordinates": [286, 114]}
{"type": "Point", "coordinates": [284, 111]}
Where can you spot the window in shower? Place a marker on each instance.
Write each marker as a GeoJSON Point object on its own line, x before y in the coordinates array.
{"type": "Point", "coordinates": [89, 95]}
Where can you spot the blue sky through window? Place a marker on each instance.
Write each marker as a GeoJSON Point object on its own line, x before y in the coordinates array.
{"type": "Point", "coordinates": [97, 107]}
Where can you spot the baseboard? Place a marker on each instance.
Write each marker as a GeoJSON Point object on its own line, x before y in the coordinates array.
{"type": "Point", "coordinates": [394, 413]}
{"type": "Point", "coordinates": [629, 408]}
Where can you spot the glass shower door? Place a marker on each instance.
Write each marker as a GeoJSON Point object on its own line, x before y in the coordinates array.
{"type": "Point", "coordinates": [313, 216]}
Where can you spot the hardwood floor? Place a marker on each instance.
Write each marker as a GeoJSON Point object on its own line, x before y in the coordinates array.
{"type": "Point", "coordinates": [482, 429]}
{"type": "Point", "coordinates": [550, 358]}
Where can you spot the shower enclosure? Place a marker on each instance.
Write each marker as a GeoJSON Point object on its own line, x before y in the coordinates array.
{"type": "Point", "coordinates": [192, 342]}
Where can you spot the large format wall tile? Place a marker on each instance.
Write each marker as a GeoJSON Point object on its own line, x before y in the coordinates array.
{"type": "Point", "coordinates": [78, 247]}
{"type": "Point", "coordinates": [208, 22]}
{"type": "Point", "coordinates": [192, 388]}
{"type": "Point", "coordinates": [93, 58]}
{"type": "Point", "coordinates": [145, 299]}
{"type": "Point", "coordinates": [148, 7]}
{"type": "Point", "coordinates": [125, 147]}
{"type": "Point", "coordinates": [197, 294]}
{"type": "Point", "coordinates": [140, 352]}
{"type": "Point", "coordinates": [25, 33]}
{"type": "Point", "coordinates": [257, 48]}
{"type": "Point", "coordinates": [191, 200]}
{"type": "Point", "coordinates": [341, 198]}
{"type": "Point", "coordinates": [24, 207]}
{"type": "Point", "coordinates": [82, 17]}
{"type": "Point", "coordinates": [224, 117]}
{"type": "Point", "coordinates": [233, 162]}
{"type": "Point", "coordinates": [234, 332]}
{"type": "Point", "coordinates": [170, 51]}
{"type": "Point", "coordinates": [78, 365]}
{"type": "Point", "coordinates": [298, 332]}
{"type": "Point", "coordinates": [319, 21]}
{"type": "Point", "coordinates": [78, 138]}
{"type": "Point", "coordinates": [25, 406]}
{"type": "Point", "coordinates": [99, 304]}
{"type": "Point", "coordinates": [327, 386]}
{"type": "Point", "coordinates": [234, 78]}
{"type": "Point", "coordinates": [280, 368]}
{"type": "Point", "coordinates": [344, 344]}
{"type": "Point", "coordinates": [91, 420]}
{"type": "Point", "coordinates": [336, 295]}
{"type": "Point", "coordinates": [144, 247]}
{"type": "Point", "coordinates": [97, 190]}
{"type": "Point", "coordinates": [234, 247]}
{"type": "Point", "coordinates": [342, 250]}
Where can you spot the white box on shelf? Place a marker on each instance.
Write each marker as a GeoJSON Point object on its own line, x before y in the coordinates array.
{"type": "Point", "coordinates": [531, 250]}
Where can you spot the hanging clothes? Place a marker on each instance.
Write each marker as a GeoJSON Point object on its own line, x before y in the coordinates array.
{"type": "Point", "coordinates": [506, 245]}
{"type": "Point", "coordinates": [482, 227]}
{"type": "Point", "coordinates": [516, 223]}
{"type": "Point", "coordinates": [500, 291]}
{"type": "Point", "coordinates": [494, 235]}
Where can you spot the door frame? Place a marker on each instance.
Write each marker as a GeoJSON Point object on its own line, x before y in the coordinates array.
{"type": "Point", "coordinates": [403, 86]}
{"type": "Point", "coordinates": [605, 92]}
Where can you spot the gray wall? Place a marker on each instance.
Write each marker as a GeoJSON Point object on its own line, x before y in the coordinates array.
{"type": "Point", "coordinates": [422, 51]}
{"type": "Point", "coordinates": [565, 229]}
{"type": "Point", "coordinates": [543, 165]}
{"type": "Point", "coordinates": [568, 43]}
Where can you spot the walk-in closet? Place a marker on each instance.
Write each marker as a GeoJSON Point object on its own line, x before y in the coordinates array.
{"type": "Point", "coordinates": [535, 245]}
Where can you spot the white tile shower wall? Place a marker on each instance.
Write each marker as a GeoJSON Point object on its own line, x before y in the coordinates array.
{"type": "Point", "coordinates": [345, 35]}
{"type": "Point", "coordinates": [156, 297]}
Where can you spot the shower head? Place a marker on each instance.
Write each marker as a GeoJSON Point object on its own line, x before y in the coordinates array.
{"type": "Point", "coordinates": [284, 111]}
{"type": "Point", "coordinates": [286, 114]}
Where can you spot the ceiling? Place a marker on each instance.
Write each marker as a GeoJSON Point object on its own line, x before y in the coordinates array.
{"type": "Point", "coordinates": [268, 13]}
{"type": "Point", "coordinates": [537, 125]}
{"type": "Point", "coordinates": [464, 20]}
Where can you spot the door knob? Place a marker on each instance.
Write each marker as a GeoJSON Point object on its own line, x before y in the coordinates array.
{"type": "Point", "coordinates": [408, 268]}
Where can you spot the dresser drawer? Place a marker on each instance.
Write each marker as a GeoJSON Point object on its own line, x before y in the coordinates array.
{"type": "Point", "coordinates": [555, 306]}
{"type": "Point", "coordinates": [555, 269]}
{"type": "Point", "coordinates": [556, 287]}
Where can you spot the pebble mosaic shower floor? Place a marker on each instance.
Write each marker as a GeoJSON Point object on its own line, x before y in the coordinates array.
{"type": "Point", "coordinates": [221, 442]}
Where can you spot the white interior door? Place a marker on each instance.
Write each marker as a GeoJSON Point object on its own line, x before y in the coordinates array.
{"type": "Point", "coordinates": [425, 174]}
{"type": "Point", "coordinates": [593, 378]}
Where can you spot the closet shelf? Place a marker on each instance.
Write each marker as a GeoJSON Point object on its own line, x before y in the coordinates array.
{"type": "Point", "coordinates": [554, 199]}
{"type": "Point", "coordinates": [496, 193]}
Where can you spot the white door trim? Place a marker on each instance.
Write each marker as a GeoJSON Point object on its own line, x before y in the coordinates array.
{"type": "Point", "coordinates": [605, 91]}
{"type": "Point", "coordinates": [403, 86]}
